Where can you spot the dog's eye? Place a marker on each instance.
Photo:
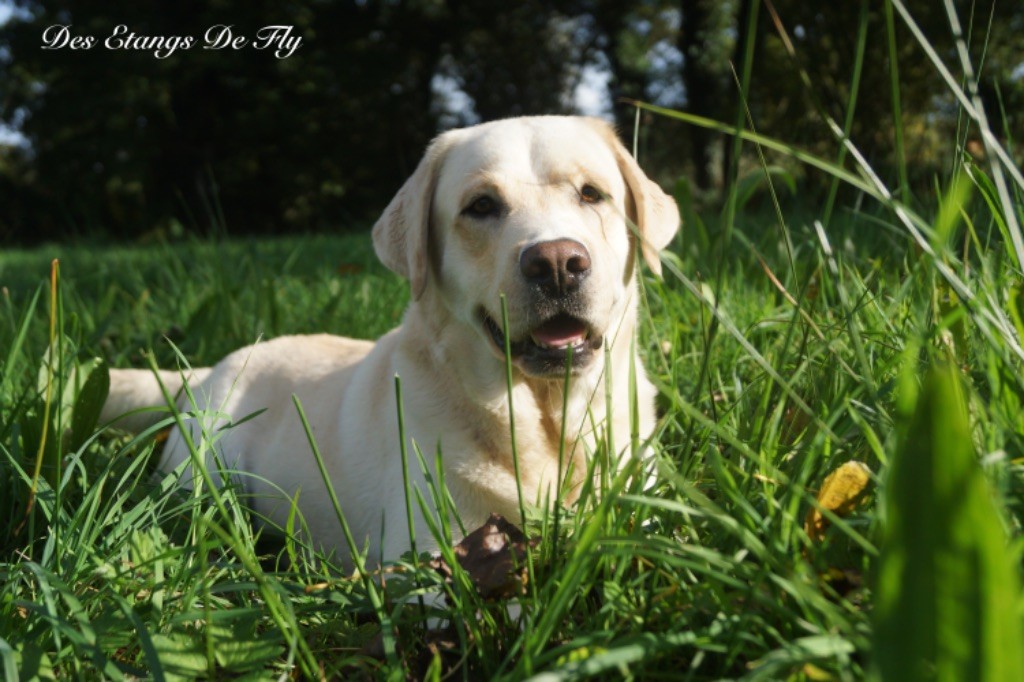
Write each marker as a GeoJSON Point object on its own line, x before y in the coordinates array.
{"type": "Point", "coordinates": [482, 207]}
{"type": "Point", "coordinates": [591, 195]}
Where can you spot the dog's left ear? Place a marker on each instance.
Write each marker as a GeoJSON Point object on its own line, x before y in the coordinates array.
{"type": "Point", "coordinates": [654, 212]}
{"type": "Point", "coordinates": [400, 234]}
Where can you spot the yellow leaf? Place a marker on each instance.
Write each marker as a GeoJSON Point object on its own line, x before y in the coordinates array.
{"type": "Point", "coordinates": [813, 672]}
{"type": "Point", "coordinates": [839, 494]}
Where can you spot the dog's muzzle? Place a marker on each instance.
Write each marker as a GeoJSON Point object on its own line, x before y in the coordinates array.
{"type": "Point", "coordinates": [554, 272]}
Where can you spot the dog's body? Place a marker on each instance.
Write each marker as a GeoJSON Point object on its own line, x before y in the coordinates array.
{"type": "Point", "coordinates": [535, 209]}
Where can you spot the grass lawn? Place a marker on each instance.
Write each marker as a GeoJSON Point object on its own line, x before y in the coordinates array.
{"type": "Point", "coordinates": [839, 489]}
{"type": "Point", "coordinates": [781, 354]}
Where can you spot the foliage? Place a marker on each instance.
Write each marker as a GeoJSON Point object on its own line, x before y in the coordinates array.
{"type": "Point", "coordinates": [122, 142]}
{"type": "Point", "coordinates": [121, 139]}
{"type": "Point", "coordinates": [787, 341]}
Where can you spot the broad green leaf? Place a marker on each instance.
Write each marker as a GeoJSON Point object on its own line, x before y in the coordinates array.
{"type": "Point", "coordinates": [239, 647]}
{"type": "Point", "coordinates": [91, 383]}
{"type": "Point", "coordinates": [33, 663]}
{"type": "Point", "coordinates": [10, 661]}
{"type": "Point", "coordinates": [182, 656]}
{"type": "Point", "coordinates": [951, 209]}
{"type": "Point", "coordinates": [1017, 309]}
{"type": "Point", "coordinates": [947, 588]}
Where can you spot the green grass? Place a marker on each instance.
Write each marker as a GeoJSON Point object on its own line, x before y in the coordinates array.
{"type": "Point", "coordinates": [710, 574]}
{"type": "Point", "coordinates": [787, 338]}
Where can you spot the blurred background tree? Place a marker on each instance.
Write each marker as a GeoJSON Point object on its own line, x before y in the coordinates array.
{"type": "Point", "coordinates": [119, 144]}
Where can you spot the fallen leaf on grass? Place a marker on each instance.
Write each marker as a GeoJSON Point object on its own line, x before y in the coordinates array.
{"type": "Point", "coordinates": [840, 494]}
{"type": "Point", "coordinates": [350, 269]}
{"type": "Point", "coordinates": [494, 557]}
{"type": "Point", "coordinates": [847, 583]}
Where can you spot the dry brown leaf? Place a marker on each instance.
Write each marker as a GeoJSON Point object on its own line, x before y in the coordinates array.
{"type": "Point", "coordinates": [494, 557]}
{"type": "Point", "coordinates": [841, 492]}
{"type": "Point", "coordinates": [350, 269]}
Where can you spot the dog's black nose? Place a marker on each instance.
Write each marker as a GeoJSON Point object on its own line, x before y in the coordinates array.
{"type": "Point", "coordinates": [558, 266]}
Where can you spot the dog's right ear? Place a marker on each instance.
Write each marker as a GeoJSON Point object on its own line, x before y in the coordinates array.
{"type": "Point", "coordinates": [400, 235]}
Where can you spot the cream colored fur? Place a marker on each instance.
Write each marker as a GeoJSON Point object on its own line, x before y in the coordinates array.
{"type": "Point", "coordinates": [452, 373]}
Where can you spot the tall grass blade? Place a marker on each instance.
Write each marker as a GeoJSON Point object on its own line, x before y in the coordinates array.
{"type": "Point", "coordinates": [404, 450]}
{"type": "Point", "coordinates": [387, 633]}
{"type": "Point", "coordinates": [974, 107]}
{"type": "Point", "coordinates": [512, 434]}
{"type": "Point", "coordinates": [406, 485]}
{"type": "Point", "coordinates": [22, 328]}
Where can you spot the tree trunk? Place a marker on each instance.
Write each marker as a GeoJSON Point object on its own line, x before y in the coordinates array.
{"type": "Point", "coordinates": [743, 38]}
{"type": "Point", "coordinates": [701, 83]}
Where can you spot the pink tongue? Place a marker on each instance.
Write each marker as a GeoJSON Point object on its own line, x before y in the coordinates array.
{"type": "Point", "coordinates": [560, 331]}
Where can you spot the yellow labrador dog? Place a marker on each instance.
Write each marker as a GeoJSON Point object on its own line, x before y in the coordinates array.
{"type": "Point", "coordinates": [535, 209]}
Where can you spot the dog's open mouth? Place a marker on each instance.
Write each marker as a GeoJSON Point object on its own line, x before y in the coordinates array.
{"type": "Point", "coordinates": [544, 350]}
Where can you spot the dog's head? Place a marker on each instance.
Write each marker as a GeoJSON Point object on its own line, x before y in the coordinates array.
{"type": "Point", "coordinates": [542, 210]}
